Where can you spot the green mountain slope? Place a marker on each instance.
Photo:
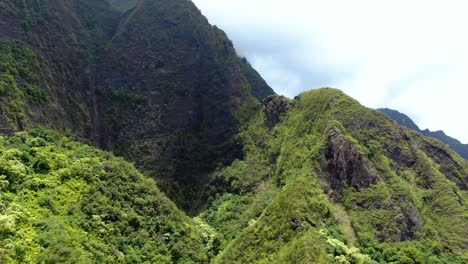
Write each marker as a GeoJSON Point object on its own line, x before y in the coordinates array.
{"type": "Point", "coordinates": [49, 50]}
{"type": "Point", "coordinates": [170, 85]}
{"type": "Point", "coordinates": [335, 182]}
{"type": "Point", "coordinates": [259, 86]}
{"type": "Point", "coordinates": [64, 202]}
{"type": "Point", "coordinates": [151, 80]}
{"type": "Point", "coordinates": [317, 179]}
{"type": "Point", "coordinates": [314, 186]}
{"type": "Point", "coordinates": [400, 118]}
{"type": "Point", "coordinates": [404, 120]}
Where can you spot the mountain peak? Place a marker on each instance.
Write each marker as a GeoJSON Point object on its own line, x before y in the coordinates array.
{"type": "Point", "coordinates": [400, 118]}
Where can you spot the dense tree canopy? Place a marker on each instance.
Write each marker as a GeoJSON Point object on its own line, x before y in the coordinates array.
{"type": "Point", "coordinates": [62, 201]}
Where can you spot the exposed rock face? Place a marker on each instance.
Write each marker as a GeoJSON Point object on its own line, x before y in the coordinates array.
{"type": "Point", "coordinates": [274, 107]}
{"type": "Point", "coordinates": [347, 166]}
{"type": "Point", "coordinates": [169, 89]}
{"type": "Point", "coordinates": [400, 149]}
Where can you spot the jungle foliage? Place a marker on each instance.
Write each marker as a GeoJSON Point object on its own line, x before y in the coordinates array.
{"type": "Point", "coordinates": [65, 202]}
{"type": "Point", "coordinates": [329, 184]}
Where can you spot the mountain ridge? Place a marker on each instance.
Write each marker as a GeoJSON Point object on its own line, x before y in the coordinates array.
{"type": "Point", "coordinates": [329, 178]}
{"type": "Point", "coordinates": [404, 120]}
{"type": "Point", "coordinates": [230, 171]}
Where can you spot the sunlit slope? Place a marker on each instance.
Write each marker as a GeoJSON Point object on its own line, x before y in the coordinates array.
{"type": "Point", "coordinates": [65, 202]}
{"type": "Point", "coordinates": [334, 181]}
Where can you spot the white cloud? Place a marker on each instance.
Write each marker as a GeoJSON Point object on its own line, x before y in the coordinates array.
{"type": "Point", "coordinates": [408, 55]}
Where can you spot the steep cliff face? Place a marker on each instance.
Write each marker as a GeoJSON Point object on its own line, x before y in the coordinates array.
{"type": "Point", "coordinates": [151, 80]}
{"type": "Point", "coordinates": [50, 49]}
{"type": "Point", "coordinates": [171, 90]}
{"type": "Point", "coordinates": [258, 85]}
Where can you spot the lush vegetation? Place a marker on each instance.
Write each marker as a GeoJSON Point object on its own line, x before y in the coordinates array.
{"type": "Point", "coordinates": [320, 186]}
{"type": "Point", "coordinates": [65, 202]}
{"type": "Point", "coordinates": [317, 179]}
{"type": "Point", "coordinates": [404, 120]}
{"type": "Point", "coordinates": [19, 84]}
{"type": "Point", "coordinates": [288, 202]}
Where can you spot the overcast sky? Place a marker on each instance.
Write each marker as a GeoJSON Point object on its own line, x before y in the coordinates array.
{"type": "Point", "coordinates": [410, 56]}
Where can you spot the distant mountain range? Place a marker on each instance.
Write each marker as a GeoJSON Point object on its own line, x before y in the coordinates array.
{"type": "Point", "coordinates": [404, 120]}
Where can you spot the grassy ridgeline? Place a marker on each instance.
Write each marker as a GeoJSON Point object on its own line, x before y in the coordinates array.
{"type": "Point", "coordinates": [335, 182]}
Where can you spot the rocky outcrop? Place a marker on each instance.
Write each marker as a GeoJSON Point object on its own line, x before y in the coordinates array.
{"type": "Point", "coordinates": [346, 165]}
{"type": "Point", "coordinates": [274, 107]}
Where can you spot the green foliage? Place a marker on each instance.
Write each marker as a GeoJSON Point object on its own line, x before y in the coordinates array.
{"type": "Point", "coordinates": [344, 254]}
{"type": "Point", "coordinates": [100, 21]}
{"type": "Point", "coordinates": [29, 13]}
{"type": "Point", "coordinates": [411, 213]}
{"type": "Point", "coordinates": [270, 223]}
{"type": "Point", "coordinates": [306, 249]}
{"type": "Point", "coordinates": [19, 84]}
{"type": "Point", "coordinates": [62, 201]}
{"type": "Point", "coordinates": [332, 182]}
{"type": "Point", "coordinates": [294, 214]}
